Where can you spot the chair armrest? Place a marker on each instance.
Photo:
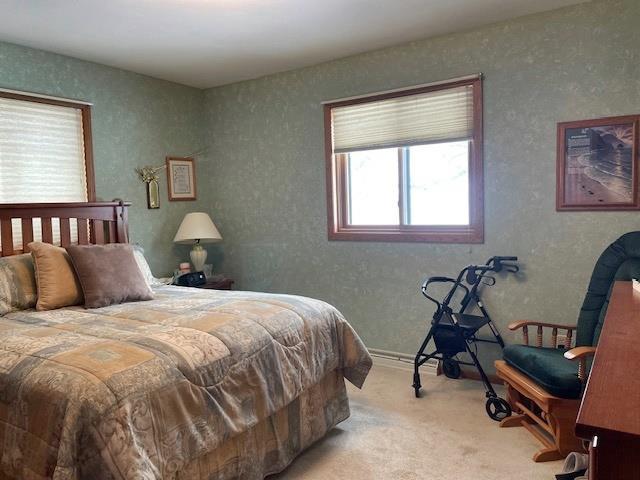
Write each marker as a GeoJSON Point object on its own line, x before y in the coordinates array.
{"type": "Point", "coordinates": [578, 353]}
{"type": "Point", "coordinates": [531, 323]}
{"type": "Point", "coordinates": [581, 354]}
{"type": "Point", "coordinates": [525, 324]}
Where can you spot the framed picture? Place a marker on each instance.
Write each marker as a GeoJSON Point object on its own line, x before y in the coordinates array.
{"type": "Point", "coordinates": [597, 165]}
{"type": "Point", "coordinates": [181, 179]}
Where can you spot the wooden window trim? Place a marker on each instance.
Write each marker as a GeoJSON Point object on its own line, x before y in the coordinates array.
{"type": "Point", "coordinates": [85, 111]}
{"type": "Point", "coordinates": [336, 183]}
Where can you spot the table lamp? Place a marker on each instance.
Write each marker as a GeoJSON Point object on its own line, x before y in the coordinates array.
{"type": "Point", "coordinates": [197, 228]}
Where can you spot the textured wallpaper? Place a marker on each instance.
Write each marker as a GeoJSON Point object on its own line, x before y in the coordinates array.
{"type": "Point", "coordinates": [137, 121]}
{"type": "Point", "coordinates": [266, 171]}
{"type": "Point", "coordinates": [263, 178]}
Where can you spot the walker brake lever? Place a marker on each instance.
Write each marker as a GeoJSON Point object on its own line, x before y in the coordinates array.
{"type": "Point", "coordinates": [472, 276]}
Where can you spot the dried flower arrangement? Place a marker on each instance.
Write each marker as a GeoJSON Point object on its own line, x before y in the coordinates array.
{"type": "Point", "coordinates": [150, 173]}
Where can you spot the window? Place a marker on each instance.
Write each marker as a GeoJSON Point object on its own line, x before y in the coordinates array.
{"type": "Point", "coordinates": [45, 153]}
{"type": "Point", "coordinates": [407, 165]}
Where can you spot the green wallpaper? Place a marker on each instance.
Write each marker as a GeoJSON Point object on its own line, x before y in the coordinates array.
{"type": "Point", "coordinates": [266, 177]}
{"type": "Point", "coordinates": [263, 176]}
{"type": "Point", "coordinates": [137, 120]}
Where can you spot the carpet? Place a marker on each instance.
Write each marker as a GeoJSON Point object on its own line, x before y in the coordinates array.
{"type": "Point", "coordinates": [445, 435]}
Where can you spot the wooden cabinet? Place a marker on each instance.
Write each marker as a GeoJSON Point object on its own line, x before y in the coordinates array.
{"type": "Point", "coordinates": [614, 457]}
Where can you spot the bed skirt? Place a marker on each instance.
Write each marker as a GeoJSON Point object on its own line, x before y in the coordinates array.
{"type": "Point", "coordinates": [272, 444]}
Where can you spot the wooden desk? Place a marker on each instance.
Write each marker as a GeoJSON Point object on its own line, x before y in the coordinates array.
{"type": "Point", "coordinates": [610, 409]}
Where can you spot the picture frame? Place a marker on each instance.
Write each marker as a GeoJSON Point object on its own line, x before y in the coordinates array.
{"type": "Point", "coordinates": [181, 179]}
{"type": "Point", "coordinates": [597, 164]}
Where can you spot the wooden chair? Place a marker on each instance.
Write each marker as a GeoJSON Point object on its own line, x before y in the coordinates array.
{"type": "Point", "coordinates": [544, 384]}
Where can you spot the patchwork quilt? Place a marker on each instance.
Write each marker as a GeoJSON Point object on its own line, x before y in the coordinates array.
{"type": "Point", "coordinates": [144, 390]}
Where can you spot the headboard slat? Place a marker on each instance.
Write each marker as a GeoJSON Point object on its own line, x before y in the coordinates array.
{"type": "Point", "coordinates": [97, 229]}
{"type": "Point", "coordinates": [27, 233]}
{"type": "Point", "coordinates": [65, 232]}
{"type": "Point", "coordinates": [6, 236]}
{"type": "Point", "coordinates": [83, 231]}
{"type": "Point", "coordinates": [47, 230]}
{"type": "Point", "coordinates": [90, 217]}
{"type": "Point", "coordinates": [112, 232]}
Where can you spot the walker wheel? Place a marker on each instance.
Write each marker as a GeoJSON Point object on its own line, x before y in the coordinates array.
{"type": "Point", "coordinates": [497, 408]}
{"type": "Point", "coordinates": [450, 368]}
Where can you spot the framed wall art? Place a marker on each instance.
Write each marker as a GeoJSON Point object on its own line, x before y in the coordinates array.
{"type": "Point", "coordinates": [181, 179]}
{"type": "Point", "coordinates": [597, 164]}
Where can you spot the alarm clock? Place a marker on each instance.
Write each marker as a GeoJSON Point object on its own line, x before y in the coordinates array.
{"type": "Point", "coordinates": [192, 279]}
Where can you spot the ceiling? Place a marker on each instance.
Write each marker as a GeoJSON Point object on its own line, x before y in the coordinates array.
{"type": "Point", "coordinates": [205, 43]}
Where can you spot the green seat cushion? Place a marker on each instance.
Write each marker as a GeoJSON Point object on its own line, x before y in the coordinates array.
{"type": "Point", "coordinates": [547, 367]}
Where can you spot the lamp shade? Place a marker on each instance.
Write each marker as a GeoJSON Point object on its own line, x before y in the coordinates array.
{"type": "Point", "coordinates": [197, 226]}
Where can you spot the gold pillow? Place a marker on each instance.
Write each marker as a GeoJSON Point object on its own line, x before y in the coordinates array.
{"type": "Point", "coordinates": [56, 279]}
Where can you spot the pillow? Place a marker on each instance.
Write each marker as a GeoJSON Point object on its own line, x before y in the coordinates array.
{"type": "Point", "coordinates": [108, 274]}
{"type": "Point", "coordinates": [56, 279]}
{"type": "Point", "coordinates": [138, 253]}
{"type": "Point", "coordinates": [17, 283]}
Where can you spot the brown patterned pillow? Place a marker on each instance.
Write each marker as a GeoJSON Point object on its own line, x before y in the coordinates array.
{"type": "Point", "coordinates": [108, 274]}
{"type": "Point", "coordinates": [17, 283]}
{"type": "Point", "coordinates": [56, 279]}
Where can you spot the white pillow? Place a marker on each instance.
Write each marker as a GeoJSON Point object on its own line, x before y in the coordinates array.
{"type": "Point", "coordinates": [143, 265]}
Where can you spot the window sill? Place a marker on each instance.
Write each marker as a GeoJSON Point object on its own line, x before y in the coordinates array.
{"type": "Point", "coordinates": [445, 234]}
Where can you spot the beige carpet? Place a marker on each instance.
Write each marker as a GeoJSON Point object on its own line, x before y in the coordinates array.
{"type": "Point", "coordinates": [445, 435]}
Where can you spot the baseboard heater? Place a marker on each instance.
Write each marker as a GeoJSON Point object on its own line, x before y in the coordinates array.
{"type": "Point", "coordinates": [402, 361]}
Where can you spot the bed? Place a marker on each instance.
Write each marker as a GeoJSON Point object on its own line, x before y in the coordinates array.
{"type": "Point", "coordinates": [194, 384]}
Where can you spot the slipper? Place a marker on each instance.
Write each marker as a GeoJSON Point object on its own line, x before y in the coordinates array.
{"type": "Point", "coordinates": [575, 466]}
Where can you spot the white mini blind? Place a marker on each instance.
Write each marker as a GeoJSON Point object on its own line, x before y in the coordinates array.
{"type": "Point", "coordinates": [42, 156]}
{"type": "Point", "coordinates": [422, 118]}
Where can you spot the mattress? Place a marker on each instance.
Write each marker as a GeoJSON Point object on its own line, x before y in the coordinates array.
{"type": "Point", "coordinates": [147, 390]}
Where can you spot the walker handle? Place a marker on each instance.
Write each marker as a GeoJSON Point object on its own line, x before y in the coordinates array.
{"type": "Point", "coordinates": [438, 280]}
{"type": "Point", "coordinates": [425, 285]}
{"type": "Point", "coordinates": [506, 259]}
{"type": "Point", "coordinates": [498, 264]}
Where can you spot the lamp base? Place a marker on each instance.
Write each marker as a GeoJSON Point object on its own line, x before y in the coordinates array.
{"type": "Point", "coordinates": [198, 257]}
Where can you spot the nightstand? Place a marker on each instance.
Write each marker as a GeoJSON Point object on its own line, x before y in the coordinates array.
{"type": "Point", "coordinates": [217, 283]}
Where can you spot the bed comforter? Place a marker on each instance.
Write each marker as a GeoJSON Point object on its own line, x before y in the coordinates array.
{"type": "Point", "coordinates": [140, 390]}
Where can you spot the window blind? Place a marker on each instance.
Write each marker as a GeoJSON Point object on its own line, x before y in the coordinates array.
{"type": "Point", "coordinates": [442, 115]}
{"type": "Point", "coordinates": [41, 157]}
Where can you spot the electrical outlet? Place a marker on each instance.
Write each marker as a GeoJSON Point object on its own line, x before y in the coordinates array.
{"type": "Point", "coordinates": [560, 341]}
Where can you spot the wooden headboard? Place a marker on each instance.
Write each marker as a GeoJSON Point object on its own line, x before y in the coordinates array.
{"type": "Point", "coordinates": [90, 223]}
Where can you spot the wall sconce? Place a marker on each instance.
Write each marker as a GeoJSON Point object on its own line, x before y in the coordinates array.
{"type": "Point", "coordinates": [149, 175]}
